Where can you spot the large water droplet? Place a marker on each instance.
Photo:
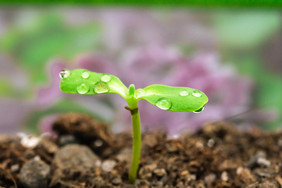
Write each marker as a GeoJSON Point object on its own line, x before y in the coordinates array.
{"type": "Point", "coordinates": [85, 75]}
{"type": "Point", "coordinates": [200, 110]}
{"type": "Point", "coordinates": [183, 93]}
{"type": "Point", "coordinates": [164, 104]}
{"type": "Point", "coordinates": [197, 93]}
{"type": "Point", "coordinates": [106, 78]}
{"type": "Point", "coordinates": [82, 88]}
{"type": "Point", "coordinates": [101, 87]}
{"type": "Point", "coordinates": [64, 73]}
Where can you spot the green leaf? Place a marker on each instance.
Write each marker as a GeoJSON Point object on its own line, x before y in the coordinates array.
{"type": "Point", "coordinates": [81, 81]}
{"type": "Point", "coordinates": [179, 99]}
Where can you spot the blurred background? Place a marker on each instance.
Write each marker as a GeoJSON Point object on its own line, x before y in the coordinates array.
{"type": "Point", "coordinates": [233, 55]}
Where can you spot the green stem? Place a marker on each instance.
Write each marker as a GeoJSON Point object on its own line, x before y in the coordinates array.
{"type": "Point", "coordinates": [136, 147]}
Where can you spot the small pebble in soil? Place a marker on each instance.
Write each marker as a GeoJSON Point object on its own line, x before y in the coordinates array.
{"type": "Point", "coordinates": [211, 143]}
{"type": "Point", "coordinates": [253, 162]}
{"type": "Point", "coordinates": [28, 141]}
{"type": "Point", "coordinates": [263, 173]}
{"type": "Point", "coordinates": [67, 139]}
{"type": "Point", "coordinates": [74, 156]}
{"type": "Point", "coordinates": [48, 146]}
{"type": "Point", "coordinates": [209, 179]}
{"type": "Point", "coordinates": [98, 143]}
{"type": "Point", "coordinates": [15, 167]}
{"type": "Point", "coordinates": [239, 170]}
{"type": "Point", "coordinates": [124, 154]}
{"type": "Point", "coordinates": [245, 175]}
{"type": "Point", "coordinates": [108, 165]}
{"type": "Point", "coordinates": [71, 159]}
{"type": "Point", "coordinates": [116, 181]}
{"type": "Point", "coordinates": [263, 162]}
{"type": "Point", "coordinates": [34, 173]}
{"type": "Point", "coordinates": [199, 145]}
{"type": "Point", "coordinates": [224, 176]}
{"type": "Point", "coordinates": [146, 171]}
{"type": "Point", "coordinates": [97, 181]}
{"type": "Point", "coordinates": [160, 172]}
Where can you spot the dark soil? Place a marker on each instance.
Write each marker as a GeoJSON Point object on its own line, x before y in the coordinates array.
{"type": "Point", "coordinates": [86, 154]}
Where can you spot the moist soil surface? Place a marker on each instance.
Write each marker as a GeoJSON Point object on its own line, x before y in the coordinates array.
{"type": "Point", "coordinates": [86, 154]}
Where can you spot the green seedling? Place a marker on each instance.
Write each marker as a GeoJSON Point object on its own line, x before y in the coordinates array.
{"type": "Point", "coordinates": [179, 99]}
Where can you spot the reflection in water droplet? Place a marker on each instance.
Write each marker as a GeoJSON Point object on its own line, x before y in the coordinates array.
{"type": "Point", "coordinates": [200, 110]}
{"type": "Point", "coordinates": [64, 73]}
{"type": "Point", "coordinates": [106, 78]}
{"type": "Point", "coordinates": [197, 93]}
{"type": "Point", "coordinates": [164, 104]}
{"type": "Point", "coordinates": [101, 87]}
{"type": "Point", "coordinates": [183, 93]}
{"type": "Point", "coordinates": [85, 75]}
{"type": "Point", "coordinates": [82, 89]}
{"type": "Point", "coordinates": [139, 93]}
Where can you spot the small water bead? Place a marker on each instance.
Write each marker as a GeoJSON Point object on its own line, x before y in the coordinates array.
{"type": "Point", "coordinates": [106, 78]}
{"type": "Point", "coordinates": [85, 75]}
{"type": "Point", "coordinates": [200, 110]}
{"type": "Point", "coordinates": [197, 93]}
{"type": "Point", "coordinates": [183, 93]}
{"type": "Point", "coordinates": [101, 87]}
{"type": "Point", "coordinates": [164, 104]}
{"type": "Point", "coordinates": [64, 73]}
{"type": "Point", "coordinates": [82, 89]}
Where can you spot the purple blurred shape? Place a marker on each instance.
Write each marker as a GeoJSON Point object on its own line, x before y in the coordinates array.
{"type": "Point", "coordinates": [47, 96]}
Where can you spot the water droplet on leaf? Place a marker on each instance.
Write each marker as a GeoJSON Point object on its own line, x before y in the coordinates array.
{"type": "Point", "coordinates": [200, 110]}
{"type": "Point", "coordinates": [197, 93]}
{"type": "Point", "coordinates": [106, 78]}
{"type": "Point", "coordinates": [64, 73]}
{"type": "Point", "coordinates": [101, 87]}
{"type": "Point", "coordinates": [85, 75]}
{"type": "Point", "coordinates": [183, 93]}
{"type": "Point", "coordinates": [164, 104]}
{"type": "Point", "coordinates": [82, 89]}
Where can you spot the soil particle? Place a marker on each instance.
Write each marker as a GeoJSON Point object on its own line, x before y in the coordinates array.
{"type": "Point", "coordinates": [147, 171]}
{"type": "Point", "coordinates": [159, 172]}
{"type": "Point", "coordinates": [224, 176]}
{"type": "Point", "coordinates": [245, 176]}
{"type": "Point", "coordinates": [34, 173]}
{"type": "Point", "coordinates": [209, 179]}
{"type": "Point", "coordinates": [116, 181]}
{"type": "Point", "coordinates": [124, 155]}
{"type": "Point", "coordinates": [67, 139]}
{"type": "Point", "coordinates": [108, 165]}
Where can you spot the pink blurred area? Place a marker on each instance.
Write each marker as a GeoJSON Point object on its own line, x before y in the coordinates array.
{"type": "Point", "coordinates": [172, 47]}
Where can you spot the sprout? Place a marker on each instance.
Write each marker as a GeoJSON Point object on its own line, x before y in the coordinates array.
{"type": "Point", "coordinates": [179, 99]}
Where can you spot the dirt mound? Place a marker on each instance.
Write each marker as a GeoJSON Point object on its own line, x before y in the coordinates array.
{"type": "Point", "coordinates": [87, 154]}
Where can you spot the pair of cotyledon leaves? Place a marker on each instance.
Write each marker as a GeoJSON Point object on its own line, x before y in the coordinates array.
{"type": "Point", "coordinates": [180, 99]}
